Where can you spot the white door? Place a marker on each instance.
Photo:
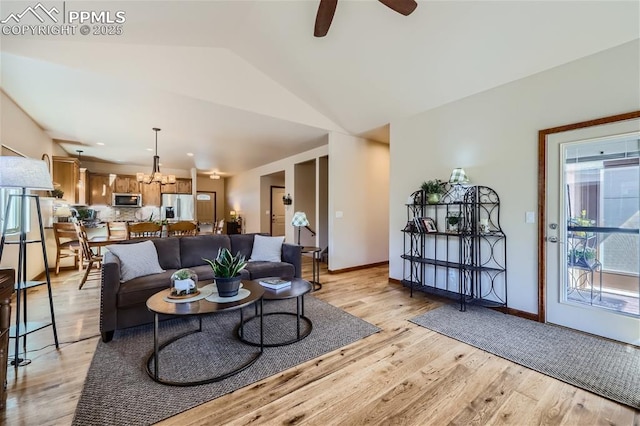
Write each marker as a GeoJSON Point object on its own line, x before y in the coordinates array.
{"type": "Point", "coordinates": [592, 239]}
{"type": "Point", "coordinates": [277, 211]}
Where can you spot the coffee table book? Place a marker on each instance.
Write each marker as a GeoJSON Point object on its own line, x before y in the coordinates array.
{"type": "Point", "coordinates": [275, 283]}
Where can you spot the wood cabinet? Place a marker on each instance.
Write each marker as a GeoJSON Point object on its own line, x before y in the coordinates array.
{"type": "Point", "coordinates": [151, 194]}
{"type": "Point", "coordinates": [7, 281]}
{"type": "Point", "coordinates": [99, 189]}
{"type": "Point", "coordinates": [125, 184]}
{"type": "Point", "coordinates": [66, 173]}
{"type": "Point", "coordinates": [182, 186]}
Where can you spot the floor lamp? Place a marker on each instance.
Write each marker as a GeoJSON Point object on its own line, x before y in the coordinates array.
{"type": "Point", "coordinates": [25, 173]}
{"type": "Point", "coordinates": [299, 220]}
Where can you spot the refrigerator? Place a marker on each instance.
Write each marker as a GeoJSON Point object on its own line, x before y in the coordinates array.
{"type": "Point", "coordinates": [177, 207]}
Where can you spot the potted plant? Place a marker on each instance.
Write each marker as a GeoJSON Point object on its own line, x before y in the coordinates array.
{"type": "Point", "coordinates": [226, 271]}
{"type": "Point", "coordinates": [57, 193]}
{"type": "Point", "coordinates": [433, 189]}
{"type": "Point", "coordinates": [184, 283]}
{"type": "Point", "coordinates": [453, 221]}
{"type": "Point", "coordinates": [584, 257]}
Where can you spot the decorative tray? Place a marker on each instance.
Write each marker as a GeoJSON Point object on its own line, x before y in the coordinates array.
{"type": "Point", "coordinates": [185, 296]}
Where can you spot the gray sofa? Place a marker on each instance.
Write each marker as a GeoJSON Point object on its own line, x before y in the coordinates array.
{"type": "Point", "coordinates": [123, 304]}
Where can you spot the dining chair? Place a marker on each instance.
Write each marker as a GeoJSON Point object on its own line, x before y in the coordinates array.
{"type": "Point", "coordinates": [219, 227]}
{"type": "Point", "coordinates": [143, 230]}
{"type": "Point", "coordinates": [88, 256]}
{"type": "Point", "coordinates": [67, 244]}
{"type": "Point", "coordinates": [117, 230]}
{"type": "Point", "coordinates": [181, 228]}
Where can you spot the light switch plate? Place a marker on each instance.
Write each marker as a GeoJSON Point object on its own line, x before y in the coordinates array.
{"type": "Point", "coordinates": [530, 217]}
{"type": "Point", "coordinates": [338, 214]}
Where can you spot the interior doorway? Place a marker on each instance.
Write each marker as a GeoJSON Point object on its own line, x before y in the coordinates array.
{"type": "Point", "coordinates": [277, 211]}
{"type": "Point", "coordinates": [206, 210]}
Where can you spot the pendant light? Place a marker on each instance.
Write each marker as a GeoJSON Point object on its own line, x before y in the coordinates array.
{"type": "Point", "coordinates": [155, 175]}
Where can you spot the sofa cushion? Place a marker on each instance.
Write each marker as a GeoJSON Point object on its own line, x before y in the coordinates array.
{"type": "Point", "coordinates": [193, 249]}
{"type": "Point", "coordinates": [261, 269]}
{"type": "Point", "coordinates": [205, 273]}
{"type": "Point", "coordinates": [267, 249]}
{"type": "Point", "coordinates": [138, 290]}
{"type": "Point", "coordinates": [136, 260]}
{"type": "Point", "coordinates": [242, 243]}
{"type": "Point", "coordinates": [168, 252]}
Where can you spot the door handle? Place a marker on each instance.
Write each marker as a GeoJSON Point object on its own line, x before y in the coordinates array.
{"type": "Point", "coordinates": [552, 239]}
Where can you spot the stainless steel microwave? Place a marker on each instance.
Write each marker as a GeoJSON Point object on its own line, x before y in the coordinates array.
{"type": "Point", "coordinates": [127, 200]}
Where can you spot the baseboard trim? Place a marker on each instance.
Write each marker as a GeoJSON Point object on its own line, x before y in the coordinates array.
{"type": "Point", "coordinates": [356, 268]}
{"type": "Point", "coordinates": [510, 311]}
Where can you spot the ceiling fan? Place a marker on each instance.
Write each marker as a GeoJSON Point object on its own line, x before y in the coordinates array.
{"type": "Point", "coordinates": [328, 7]}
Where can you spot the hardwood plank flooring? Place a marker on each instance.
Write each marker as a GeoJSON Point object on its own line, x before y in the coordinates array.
{"type": "Point", "coordinates": [403, 375]}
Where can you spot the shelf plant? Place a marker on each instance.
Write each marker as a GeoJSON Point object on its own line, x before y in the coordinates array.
{"type": "Point", "coordinates": [433, 189]}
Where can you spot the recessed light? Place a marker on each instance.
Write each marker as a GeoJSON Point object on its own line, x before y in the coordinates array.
{"type": "Point", "coordinates": [189, 154]}
{"type": "Point", "coordinates": [149, 149]}
{"type": "Point", "coordinates": [100, 143]}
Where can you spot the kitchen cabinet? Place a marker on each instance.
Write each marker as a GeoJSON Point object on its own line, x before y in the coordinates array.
{"type": "Point", "coordinates": [150, 194]}
{"type": "Point", "coordinates": [99, 189]}
{"type": "Point", "coordinates": [66, 173]}
{"type": "Point", "coordinates": [125, 184]}
{"type": "Point", "coordinates": [182, 186]}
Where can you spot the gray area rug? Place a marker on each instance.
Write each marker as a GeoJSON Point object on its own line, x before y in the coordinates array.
{"type": "Point", "coordinates": [601, 366]}
{"type": "Point", "coordinates": [118, 390]}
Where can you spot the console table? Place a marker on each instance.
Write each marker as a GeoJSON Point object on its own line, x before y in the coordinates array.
{"type": "Point", "coordinates": [315, 255]}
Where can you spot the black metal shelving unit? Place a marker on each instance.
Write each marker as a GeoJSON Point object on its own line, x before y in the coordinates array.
{"type": "Point", "coordinates": [468, 263]}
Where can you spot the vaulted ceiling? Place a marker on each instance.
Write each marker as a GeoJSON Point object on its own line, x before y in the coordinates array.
{"type": "Point", "coordinates": [244, 83]}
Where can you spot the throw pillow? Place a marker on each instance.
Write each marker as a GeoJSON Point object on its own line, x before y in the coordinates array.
{"type": "Point", "coordinates": [136, 260]}
{"type": "Point", "coordinates": [267, 249]}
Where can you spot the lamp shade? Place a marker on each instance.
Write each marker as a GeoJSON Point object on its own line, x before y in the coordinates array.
{"type": "Point", "coordinates": [21, 172]}
{"type": "Point", "coordinates": [458, 175]}
{"type": "Point", "coordinates": [300, 219]}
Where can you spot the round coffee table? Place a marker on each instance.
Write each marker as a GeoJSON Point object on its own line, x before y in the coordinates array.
{"type": "Point", "coordinates": [297, 290]}
{"type": "Point", "coordinates": [159, 306]}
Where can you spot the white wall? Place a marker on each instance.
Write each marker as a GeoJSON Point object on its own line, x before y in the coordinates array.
{"type": "Point", "coordinates": [20, 133]}
{"type": "Point", "coordinates": [359, 192]}
{"type": "Point", "coordinates": [305, 198]}
{"type": "Point", "coordinates": [493, 136]}
{"type": "Point", "coordinates": [243, 190]}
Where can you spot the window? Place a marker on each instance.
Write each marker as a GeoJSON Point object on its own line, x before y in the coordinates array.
{"type": "Point", "coordinates": [13, 220]}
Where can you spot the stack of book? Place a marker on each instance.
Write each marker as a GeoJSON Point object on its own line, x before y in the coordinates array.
{"type": "Point", "coordinates": [275, 283]}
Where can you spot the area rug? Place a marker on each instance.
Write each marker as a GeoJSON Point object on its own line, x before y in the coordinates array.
{"type": "Point", "coordinates": [601, 366]}
{"type": "Point", "coordinates": [118, 390]}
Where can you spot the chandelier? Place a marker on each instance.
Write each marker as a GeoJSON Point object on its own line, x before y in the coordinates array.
{"type": "Point", "coordinates": [155, 175]}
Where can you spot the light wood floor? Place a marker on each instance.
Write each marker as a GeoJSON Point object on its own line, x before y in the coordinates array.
{"type": "Point", "coordinates": [404, 375]}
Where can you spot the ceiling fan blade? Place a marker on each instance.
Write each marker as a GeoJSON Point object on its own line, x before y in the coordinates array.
{"type": "Point", "coordinates": [404, 7]}
{"type": "Point", "coordinates": [324, 17]}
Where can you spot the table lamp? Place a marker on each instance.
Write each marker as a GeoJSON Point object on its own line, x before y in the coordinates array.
{"type": "Point", "coordinates": [299, 220]}
{"type": "Point", "coordinates": [458, 178]}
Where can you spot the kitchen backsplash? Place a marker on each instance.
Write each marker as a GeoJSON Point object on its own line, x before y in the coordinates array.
{"type": "Point", "coordinates": [127, 214]}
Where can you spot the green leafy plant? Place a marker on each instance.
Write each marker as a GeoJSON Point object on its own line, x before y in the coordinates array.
{"type": "Point", "coordinates": [226, 265]}
{"type": "Point", "coordinates": [57, 193]}
{"type": "Point", "coordinates": [581, 255]}
{"type": "Point", "coordinates": [182, 274]}
{"type": "Point", "coordinates": [434, 186]}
